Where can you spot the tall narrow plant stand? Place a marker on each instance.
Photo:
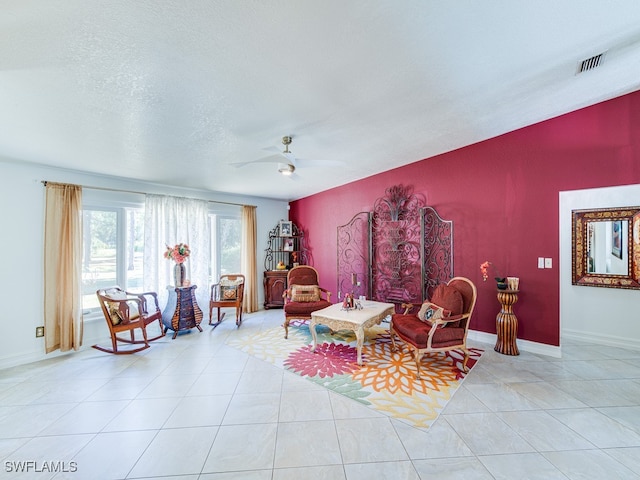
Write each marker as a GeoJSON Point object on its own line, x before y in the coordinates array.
{"type": "Point", "coordinates": [507, 323]}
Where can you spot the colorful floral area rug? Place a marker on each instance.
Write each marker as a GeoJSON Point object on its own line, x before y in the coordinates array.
{"type": "Point", "coordinates": [386, 381]}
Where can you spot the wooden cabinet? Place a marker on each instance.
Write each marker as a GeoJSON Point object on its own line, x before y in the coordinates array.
{"type": "Point", "coordinates": [275, 283]}
{"type": "Point", "coordinates": [182, 311]}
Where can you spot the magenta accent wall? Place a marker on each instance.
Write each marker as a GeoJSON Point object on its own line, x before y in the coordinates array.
{"type": "Point", "coordinates": [502, 195]}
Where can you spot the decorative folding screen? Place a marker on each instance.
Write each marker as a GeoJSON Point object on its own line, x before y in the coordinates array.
{"type": "Point", "coordinates": [437, 252]}
{"type": "Point", "coordinates": [397, 273]}
{"type": "Point", "coordinates": [399, 252]}
{"type": "Point", "coordinates": [354, 256]}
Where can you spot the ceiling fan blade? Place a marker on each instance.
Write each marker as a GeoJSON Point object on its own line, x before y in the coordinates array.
{"type": "Point", "coordinates": [269, 159]}
{"type": "Point", "coordinates": [278, 151]}
{"type": "Point", "coordinates": [289, 156]}
{"type": "Point", "coordinates": [322, 163]}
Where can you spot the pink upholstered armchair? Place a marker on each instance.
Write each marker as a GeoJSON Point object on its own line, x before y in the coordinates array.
{"type": "Point", "coordinates": [441, 324]}
{"type": "Point", "coordinates": [303, 295]}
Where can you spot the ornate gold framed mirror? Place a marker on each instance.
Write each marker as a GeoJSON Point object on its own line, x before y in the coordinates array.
{"type": "Point", "coordinates": [605, 250]}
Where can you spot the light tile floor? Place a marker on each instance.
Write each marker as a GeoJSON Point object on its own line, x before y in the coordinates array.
{"type": "Point", "coordinates": [195, 408]}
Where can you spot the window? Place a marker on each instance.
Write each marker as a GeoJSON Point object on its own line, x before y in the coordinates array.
{"type": "Point", "coordinates": [113, 242]}
{"type": "Point", "coordinates": [226, 241]}
{"type": "Point", "coordinates": [113, 235]}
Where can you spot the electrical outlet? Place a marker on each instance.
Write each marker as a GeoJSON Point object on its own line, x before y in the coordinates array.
{"type": "Point", "coordinates": [39, 331]}
{"type": "Point", "coordinates": [547, 263]}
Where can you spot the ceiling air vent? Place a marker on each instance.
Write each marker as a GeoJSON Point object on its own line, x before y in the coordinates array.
{"type": "Point", "coordinates": [590, 63]}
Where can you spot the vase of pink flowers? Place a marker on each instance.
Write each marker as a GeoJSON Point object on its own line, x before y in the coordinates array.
{"type": "Point", "coordinates": [179, 254]}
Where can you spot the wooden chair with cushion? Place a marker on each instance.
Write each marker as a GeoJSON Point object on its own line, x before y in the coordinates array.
{"type": "Point", "coordinates": [229, 293]}
{"type": "Point", "coordinates": [125, 312]}
{"type": "Point", "coordinates": [303, 295]}
{"type": "Point", "coordinates": [441, 324]}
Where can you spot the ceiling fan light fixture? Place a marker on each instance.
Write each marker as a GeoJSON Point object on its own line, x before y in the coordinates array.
{"type": "Point", "coordinates": [286, 168]}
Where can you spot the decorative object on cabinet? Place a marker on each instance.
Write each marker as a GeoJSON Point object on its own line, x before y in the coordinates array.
{"type": "Point", "coordinates": [598, 261]}
{"type": "Point", "coordinates": [227, 293]}
{"type": "Point", "coordinates": [124, 312]}
{"type": "Point", "coordinates": [400, 252]}
{"type": "Point", "coordinates": [179, 254]}
{"type": "Point", "coordinates": [286, 229]}
{"type": "Point", "coordinates": [180, 275]}
{"type": "Point", "coordinates": [448, 332]}
{"type": "Point", "coordinates": [507, 323]}
{"type": "Point", "coordinates": [303, 295]}
{"type": "Point", "coordinates": [182, 311]}
{"type": "Point", "coordinates": [283, 252]}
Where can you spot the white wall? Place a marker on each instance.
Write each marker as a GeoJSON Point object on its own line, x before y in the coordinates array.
{"type": "Point", "coordinates": [603, 315]}
{"type": "Point", "coordinates": [21, 244]}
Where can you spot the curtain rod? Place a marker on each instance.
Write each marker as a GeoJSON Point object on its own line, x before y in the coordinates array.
{"type": "Point", "coordinates": [44, 182]}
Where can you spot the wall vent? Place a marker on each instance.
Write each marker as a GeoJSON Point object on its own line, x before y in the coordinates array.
{"type": "Point", "coordinates": [590, 63]}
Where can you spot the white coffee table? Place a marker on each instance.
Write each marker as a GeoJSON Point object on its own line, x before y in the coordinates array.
{"type": "Point", "coordinates": [355, 320]}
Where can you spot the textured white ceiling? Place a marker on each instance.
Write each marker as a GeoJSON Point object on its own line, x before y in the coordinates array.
{"type": "Point", "coordinates": [176, 91]}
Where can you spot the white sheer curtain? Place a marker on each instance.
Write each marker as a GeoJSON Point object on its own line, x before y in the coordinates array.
{"type": "Point", "coordinates": [172, 220]}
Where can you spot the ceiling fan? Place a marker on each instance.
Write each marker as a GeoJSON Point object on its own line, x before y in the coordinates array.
{"type": "Point", "coordinates": [286, 160]}
{"type": "Point", "coordinates": [287, 168]}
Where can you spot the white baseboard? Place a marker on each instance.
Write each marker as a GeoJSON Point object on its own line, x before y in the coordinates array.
{"type": "Point", "coordinates": [524, 345]}
{"type": "Point", "coordinates": [26, 358]}
{"type": "Point", "coordinates": [36, 356]}
{"type": "Point", "coordinates": [602, 339]}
